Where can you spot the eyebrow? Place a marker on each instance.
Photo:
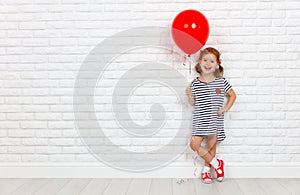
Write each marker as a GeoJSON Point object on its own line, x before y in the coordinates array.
{"type": "Point", "coordinates": [208, 59]}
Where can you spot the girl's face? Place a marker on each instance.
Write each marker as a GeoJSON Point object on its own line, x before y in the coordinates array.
{"type": "Point", "coordinates": [208, 63]}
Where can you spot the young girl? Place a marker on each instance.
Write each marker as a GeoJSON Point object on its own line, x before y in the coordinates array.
{"type": "Point", "coordinates": [207, 93]}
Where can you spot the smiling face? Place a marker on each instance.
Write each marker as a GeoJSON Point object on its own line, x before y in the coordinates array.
{"type": "Point", "coordinates": [208, 64]}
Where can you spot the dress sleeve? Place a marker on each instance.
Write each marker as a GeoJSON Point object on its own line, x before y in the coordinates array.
{"type": "Point", "coordinates": [227, 85]}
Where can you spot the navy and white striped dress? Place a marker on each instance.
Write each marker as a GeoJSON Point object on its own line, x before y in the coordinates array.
{"type": "Point", "coordinates": [209, 97]}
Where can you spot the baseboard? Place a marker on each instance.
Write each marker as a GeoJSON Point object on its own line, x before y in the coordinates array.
{"type": "Point", "coordinates": [96, 171]}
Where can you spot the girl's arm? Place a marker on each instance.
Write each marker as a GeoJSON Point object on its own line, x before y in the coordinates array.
{"type": "Point", "coordinates": [231, 99]}
{"type": "Point", "coordinates": [191, 99]}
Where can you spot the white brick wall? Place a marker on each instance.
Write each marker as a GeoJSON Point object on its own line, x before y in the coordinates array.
{"type": "Point", "coordinates": [43, 43]}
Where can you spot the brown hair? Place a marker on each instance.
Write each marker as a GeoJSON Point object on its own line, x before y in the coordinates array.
{"type": "Point", "coordinates": [211, 50]}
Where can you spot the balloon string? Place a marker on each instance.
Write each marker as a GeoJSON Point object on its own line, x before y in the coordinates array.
{"type": "Point", "coordinates": [184, 61]}
{"type": "Point", "coordinates": [190, 65]}
{"type": "Point", "coordinates": [183, 180]}
{"type": "Point", "coordinates": [189, 60]}
{"type": "Point", "coordinates": [195, 164]}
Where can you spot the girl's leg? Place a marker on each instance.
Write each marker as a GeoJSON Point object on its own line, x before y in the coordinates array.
{"type": "Point", "coordinates": [212, 148]}
{"type": "Point", "coordinates": [195, 142]}
{"type": "Point", "coordinates": [195, 145]}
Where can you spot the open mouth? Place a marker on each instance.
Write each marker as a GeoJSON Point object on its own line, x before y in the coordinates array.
{"type": "Point", "coordinates": [207, 68]}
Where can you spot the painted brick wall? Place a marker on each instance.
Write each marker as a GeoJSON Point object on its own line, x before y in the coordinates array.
{"type": "Point", "coordinates": [43, 44]}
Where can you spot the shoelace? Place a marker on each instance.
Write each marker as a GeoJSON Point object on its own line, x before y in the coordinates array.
{"type": "Point", "coordinates": [206, 175]}
{"type": "Point", "coordinates": [219, 170]}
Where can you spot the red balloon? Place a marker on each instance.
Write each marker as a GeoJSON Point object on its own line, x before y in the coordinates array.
{"type": "Point", "coordinates": [190, 30]}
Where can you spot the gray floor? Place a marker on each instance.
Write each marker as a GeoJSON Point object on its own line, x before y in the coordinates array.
{"type": "Point", "coordinates": [148, 186]}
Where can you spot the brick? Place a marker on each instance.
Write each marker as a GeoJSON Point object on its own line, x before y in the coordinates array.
{"type": "Point", "coordinates": [46, 100]}
{"type": "Point", "coordinates": [61, 141]}
{"type": "Point", "coordinates": [9, 125]}
{"type": "Point", "coordinates": [31, 25]}
{"type": "Point", "coordinates": [3, 133]}
{"type": "Point", "coordinates": [75, 150]}
{"type": "Point", "coordinates": [86, 158]}
{"type": "Point", "coordinates": [45, 133]}
{"type": "Point", "coordinates": [10, 158]}
{"type": "Point", "coordinates": [61, 125]}
{"type": "Point", "coordinates": [10, 141]}
{"type": "Point", "coordinates": [35, 108]}
{"type": "Point", "coordinates": [35, 141]}
{"type": "Point", "coordinates": [48, 116]}
{"type": "Point", "coordinates": [20, 149]}
{"type": "Point", "coordinates": [34, 158]}
{"type": "Point", "coordinates": [48, 149]}
{"type": "Point", "coordinates": [21, 133]}
{"type": "Point", "coordinates": [33, 125]}
{"type": "Point", "coordinates": [62, 158]}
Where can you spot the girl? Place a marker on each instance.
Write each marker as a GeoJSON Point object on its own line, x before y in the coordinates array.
{"type": "Point", "coordinates": [207, 93]}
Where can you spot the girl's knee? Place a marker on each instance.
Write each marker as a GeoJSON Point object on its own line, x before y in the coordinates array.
{"type": "Point", "coordinates": [194, 145]}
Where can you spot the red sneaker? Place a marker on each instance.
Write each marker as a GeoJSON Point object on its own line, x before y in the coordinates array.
{"type": "Point", "coordinates": [206, 177]}
{"type": "Point", "coordinates": [220, 170]}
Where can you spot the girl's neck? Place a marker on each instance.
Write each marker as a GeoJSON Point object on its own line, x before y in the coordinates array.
{"type": "Point", "coordinates": [207, 78]}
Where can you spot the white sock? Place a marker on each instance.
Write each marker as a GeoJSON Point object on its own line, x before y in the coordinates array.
{"type": "Point", "coordinates": [214, 162]}
{"type": "Point", "coordinates": [205, 169]}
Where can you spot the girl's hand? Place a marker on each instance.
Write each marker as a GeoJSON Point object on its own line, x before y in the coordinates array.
{"type": "Point", "coordinates": [188, 91]}
{"type": "Point", "coordinates": [221, 111]}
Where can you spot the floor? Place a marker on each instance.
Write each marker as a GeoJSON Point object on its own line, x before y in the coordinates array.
{"type": "Point", "coordinates": [148, 186]}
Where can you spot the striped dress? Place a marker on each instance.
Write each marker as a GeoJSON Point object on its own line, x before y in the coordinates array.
{"type": "Point", "coordinates": [209, 97]}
